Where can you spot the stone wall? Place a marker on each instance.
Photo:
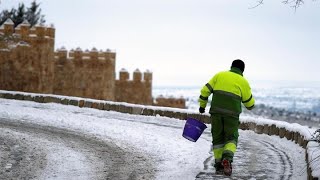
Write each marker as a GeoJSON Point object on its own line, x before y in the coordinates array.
{"type": "Point", "coordinates": [85, 74]}
{"type": "Point", "coordinates": [26, 58]}
{"type": "Point", "coordinates": [137, 91]}
{"type": "Point", "coordinates": [269, 129]}
{"type": "Point", "coordinates": [29, 63]}
{"type": "Point", "coordinates": [170, 102]}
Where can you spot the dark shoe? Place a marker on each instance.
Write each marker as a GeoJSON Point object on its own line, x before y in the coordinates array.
{"type": "Point", "coordinates": [219, 168]}
{"type": "Point", "coordinates": [227, 167]}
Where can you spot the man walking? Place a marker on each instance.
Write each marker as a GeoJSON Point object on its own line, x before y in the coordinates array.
{"type": "Point", "coordinates": [229, 89]}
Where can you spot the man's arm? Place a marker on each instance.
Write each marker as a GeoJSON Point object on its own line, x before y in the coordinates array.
{"type": "Point", "coordinates": [247, 98]}
{"type": "Point", "coordinates": [205, 93]}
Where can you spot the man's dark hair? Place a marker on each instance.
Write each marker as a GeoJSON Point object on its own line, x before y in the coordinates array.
{"type": "Point", "coordinates": [238, 63]}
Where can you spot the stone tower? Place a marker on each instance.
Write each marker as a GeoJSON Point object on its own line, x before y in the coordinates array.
{"type": "Point", "coordinates": [26, 55]}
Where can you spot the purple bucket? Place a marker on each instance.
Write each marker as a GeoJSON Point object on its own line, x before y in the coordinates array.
{"type": "Point", "coordinates": [193, 129]}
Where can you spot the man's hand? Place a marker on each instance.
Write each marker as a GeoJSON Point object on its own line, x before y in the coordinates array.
{"type": "Point", "coordinates": [201, 110]}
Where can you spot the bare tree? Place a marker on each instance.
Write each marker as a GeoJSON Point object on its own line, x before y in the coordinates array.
{"type": "Point", "coordinates": [293, 3]}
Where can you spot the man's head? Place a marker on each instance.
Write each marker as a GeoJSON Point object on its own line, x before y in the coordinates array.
{"type": "Point", "coordinates": [238, 63]}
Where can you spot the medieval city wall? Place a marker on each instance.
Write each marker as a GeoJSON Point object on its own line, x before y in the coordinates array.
{"type": "Point", "coordinates": [26, 58]}
{"type": "Point", "coordinates": [29, 63]}
{"type": "Point", "coordinates": [170, 102]}
{"type": "Point", "coordinates": [76, 70]}
{"type": "Point", "coordinates": [137, 91]}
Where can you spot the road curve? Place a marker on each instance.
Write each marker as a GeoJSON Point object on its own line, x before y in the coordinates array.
{"type": "Point", "coordinates": [49, 141]}
{"type": "Point", "coordinates": [31, 151]}
{"type": "Point", "coordinates": [257, 157]}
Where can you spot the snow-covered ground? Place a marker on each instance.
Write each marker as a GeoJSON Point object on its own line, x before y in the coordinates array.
{"type": "Point", "coordinates": [289, 96]}
{"type": "Point", "coordinates": [156, 141]}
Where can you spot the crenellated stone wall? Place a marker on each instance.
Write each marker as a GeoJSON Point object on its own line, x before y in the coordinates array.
{"type": "Point", "coordinates": [26, 58]}
{"type": "Point", "coordinates": [139, 89]}
{"type": "Point", "coordinates": [170, 102]}
{"type": "Point", "coordinates": [29, 63]}
{"type": "Point", "coordinates": [85, 74]}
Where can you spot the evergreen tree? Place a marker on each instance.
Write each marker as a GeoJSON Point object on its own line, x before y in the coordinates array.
{"type": "Point", "coordinates": [33, 14]}
{"type": "Point", "coordinates": [5, 14]}
{"type": "Point", "coordinates": [19, 15]}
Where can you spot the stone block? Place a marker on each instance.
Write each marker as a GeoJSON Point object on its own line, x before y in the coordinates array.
{"type": "Point", "coordinates": [87, 104]}
{"type": "Point", "coordinates": [168, 114]}
{"type": "Point", "coordinates": [74, 102]}
{"type": "Point", "coordinates": [252, 126]}
{"type": "Point", "coordinates": [122, 108]}
{"type": "Point", "coordinates": [106, 106]}
{"type": "Point", "coordinates": [274, 130]}
{"type": "Point", "coordinates": [206, 119]}
{"type": "Point", "coordinates": [176, 115]}
{"type": "Point", "coordinates": [244, 126]}
{"type": "Point", "coordinates": [65, 101]}
{"type": "Point", "coordinates": [125, 109]}
{"type": "Point", "coordinates": [259, 129]}
{"type": "Point", "coordinates": [266, 129]}
{"type": "Point", "coordinates": [282, 132]}
{"type": "Point", "coordinates": [301, 141]}
{"type": "Point", "coordinates": [27, 98]}
{"type": "Point", "coordinates": [100, 106]}
{"type": "Point", "coordinates": [39, 99]}
{"type": "Point", "coordinates": [114, 107]}
{"type": "Point", "coordinates": [81, 103]}
{"type": "Point", "coordinates": [289, 135]}
{"type": "Point", "coordinates": [18, 96]}
{"type": "Point", "coordinates": [193, 115]}
{"type": "Point", "coordinates": [8, 96]}
{"type": "Point", "coordinates": [136, 110]}
{"type": "Point", "coordinates": [95, 105]}
{"type": "Point", "coordinates": [49, 99]}
{"type": "Point", "coordinates": [148, 112]}
{"type": "Point", "coordinates": [159, 112]}
{"type": "Point", "coordinates": [295, 137]}
{"type": "Point", "coordinates": [184, 116]}
{"type": "Point", "coordinates": [128, 109]}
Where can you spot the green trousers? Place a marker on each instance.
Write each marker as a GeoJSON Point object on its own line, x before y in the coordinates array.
{"type": "Point", "coordinates": [225, 135]}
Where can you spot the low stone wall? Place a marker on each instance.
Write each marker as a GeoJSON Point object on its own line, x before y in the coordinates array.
{"type": "Point", "coordinates": [269, 129]}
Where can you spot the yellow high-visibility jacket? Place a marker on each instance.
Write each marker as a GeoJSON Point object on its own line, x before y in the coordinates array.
{"type": "Point", "coordinates": [229, 89]}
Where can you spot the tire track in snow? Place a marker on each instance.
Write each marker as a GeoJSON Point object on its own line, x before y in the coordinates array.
{"type": "Point", "coordinates": [83, 156]}
{"type": "Point", "coordinates": [255, 159]}
{"type": "Point", "coordinates": [287, 168]}
{"type": "Point", "coordinates": [243, 163]}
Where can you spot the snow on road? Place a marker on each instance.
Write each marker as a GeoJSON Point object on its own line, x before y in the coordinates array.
{"type": "Point", "coordinates": [144, 146]}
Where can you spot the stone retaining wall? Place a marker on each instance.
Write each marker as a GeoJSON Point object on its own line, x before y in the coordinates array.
{"type": "Point", "coordinates": [153, 111]}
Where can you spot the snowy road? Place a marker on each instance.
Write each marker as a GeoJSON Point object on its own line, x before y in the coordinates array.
{"type": "Point", "coordinates": [41, 152]}
{"type": "Point", "coordinates": [51, 141]}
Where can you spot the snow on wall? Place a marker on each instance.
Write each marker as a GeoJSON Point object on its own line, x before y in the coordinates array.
{"type": "Point", "coordinates": [295, 132]}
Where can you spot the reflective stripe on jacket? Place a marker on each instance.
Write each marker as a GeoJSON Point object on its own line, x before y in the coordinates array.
{"type": "Point", "coordinates": [229, 89]}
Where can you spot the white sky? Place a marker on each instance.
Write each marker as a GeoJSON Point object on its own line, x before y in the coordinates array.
{"type": "Point", "coordinates": [185, 42]}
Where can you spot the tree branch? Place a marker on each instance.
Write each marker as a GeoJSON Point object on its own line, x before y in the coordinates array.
{"type": "Point", "coordinates": [258, 4]}
{"type": "Point", "coordinates": [296, 3]}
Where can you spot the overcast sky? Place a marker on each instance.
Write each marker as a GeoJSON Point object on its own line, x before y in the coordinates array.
{"type": "Point", "coordinates": [185, 42]}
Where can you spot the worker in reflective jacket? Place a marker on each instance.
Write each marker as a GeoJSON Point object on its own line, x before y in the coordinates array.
{"type": "Point", "coordinates": [228, 89]}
